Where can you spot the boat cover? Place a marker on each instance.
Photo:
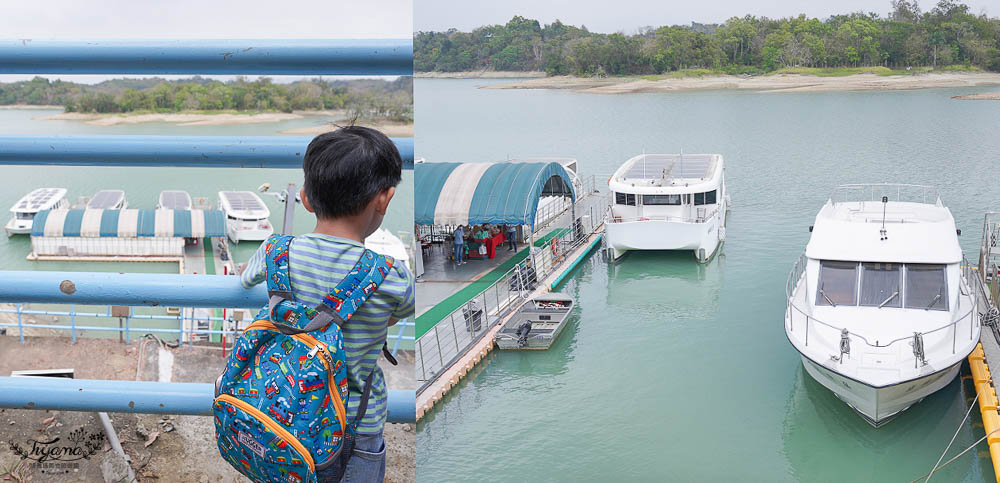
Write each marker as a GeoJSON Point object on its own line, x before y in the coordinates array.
{"type": "Point", "coordinates": [475, 193]}
{"type": "Point", "coordinates": [129, 223]}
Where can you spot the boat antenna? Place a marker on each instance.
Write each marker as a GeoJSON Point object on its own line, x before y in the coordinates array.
{"type": "Point", "coordinates": [885, 201]}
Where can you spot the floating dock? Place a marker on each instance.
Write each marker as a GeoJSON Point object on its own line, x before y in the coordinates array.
{"type": "Point", "coordinates": [451, 376]}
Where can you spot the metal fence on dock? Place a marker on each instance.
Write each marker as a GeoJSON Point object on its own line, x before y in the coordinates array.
{"type": "Point", "coordinates": [451, 337]}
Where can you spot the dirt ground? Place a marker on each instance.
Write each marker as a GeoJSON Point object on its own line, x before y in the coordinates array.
{"type": "Point", "coordinates": [160, 447]}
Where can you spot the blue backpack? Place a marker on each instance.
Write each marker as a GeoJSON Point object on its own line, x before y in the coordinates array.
{"type": "Point", "coordinates": [280, 405]}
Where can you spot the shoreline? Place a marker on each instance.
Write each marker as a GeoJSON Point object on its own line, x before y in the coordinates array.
{"type": "Point", "coordinates": [768, 83]}
{"type": "Point", "coordinates": [391, 128]}
{"type": "Point", "coordinates": [483, 74]}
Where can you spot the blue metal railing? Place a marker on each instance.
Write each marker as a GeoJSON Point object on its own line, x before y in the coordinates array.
{"type": "Point", "coordinates": [19, 311]}
{"type": "Point", "coordinates": [141, 397]}
{"type": "Point", "coordinates": [170, 151]}
{"type": "Point", "coordinates": [251, 56]}
{"type": "Point", "coordinates": [265, 57]}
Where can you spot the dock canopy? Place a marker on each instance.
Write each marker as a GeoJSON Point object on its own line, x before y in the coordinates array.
{"type": "Point", "coordinates": [476, 193]}
{"type": "Point", "coordinates": [129, 223]}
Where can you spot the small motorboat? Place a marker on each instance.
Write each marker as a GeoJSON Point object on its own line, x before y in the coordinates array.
{"type": "Point", "coordinates": [537, 324]}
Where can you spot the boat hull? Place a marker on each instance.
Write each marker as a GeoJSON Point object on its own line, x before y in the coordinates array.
{"type": "Point", "coordinates": [237, 233]}
{"type": "Point", "coordinates": [878, 405]}
{"type": "Point", "coordinates": [18, 227]}
{"type": "Point", "coordinates": [701, 238]}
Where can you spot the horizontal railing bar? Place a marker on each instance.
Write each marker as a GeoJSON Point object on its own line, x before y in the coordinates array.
{"type": "Point", "coordinates": [250, 56]}
{"type": "Point", "coordinates": [141, 397]}
{"type": "Point", "coordinates": [165, 151]}
{"type": "Point", "coordinates": [133, 316]}
{"type": "Point", "coordinates": [141, 330]}
{"type": "Point", "coordinates": [150, 289]}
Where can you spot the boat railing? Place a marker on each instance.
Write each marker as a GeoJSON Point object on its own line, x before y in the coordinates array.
{"type": "Point", "coordinates": [167, 57]}
{"type": "Point", "coordinates": [610, 217]}
{"type": "Point", "coordinates": [800, 319]}
{"type": "Point", "coordinates": [913, 193]}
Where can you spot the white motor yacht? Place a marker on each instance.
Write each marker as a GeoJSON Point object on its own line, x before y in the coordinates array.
{"type": "Point", "coordinates": [246, 216]}
{"type": "Point", "coordinates": [108, 200]}
{"type": "Point", "coordinates": [23, 212]}
{"type": "Point", "coordinates": [881, 306]}
{"type": "Point", "coordinates": [174, 200]}
{"type": "Point", "coordinates": [668, 202]}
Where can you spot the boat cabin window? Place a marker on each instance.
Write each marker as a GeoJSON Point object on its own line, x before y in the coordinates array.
{"type": "Point", "coordinates": [661, 199]}
{"type": "Point", "coordinates": [625, 199]}
{"type": "Point", "coordinates": [837, 283]}
{"type": "Point", "coordinates": [881, 284]}
{"type": "Point", "coordinates": [24, 216]}
{"type": "Point", "coordinates": [926, 287]}
{"type": "Point", "coordinates": [707, 198]}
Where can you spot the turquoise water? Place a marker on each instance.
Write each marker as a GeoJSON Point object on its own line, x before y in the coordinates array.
{"type": "Point", "coordinates": [675, 371]}
{"type": "Point", "coordinates": [143, 185]}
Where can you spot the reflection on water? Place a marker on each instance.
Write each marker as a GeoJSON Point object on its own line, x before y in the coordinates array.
{"type": "Point", "coordinates": [815, 416]}
{"type": "Point", "coordinates": [669, 283]}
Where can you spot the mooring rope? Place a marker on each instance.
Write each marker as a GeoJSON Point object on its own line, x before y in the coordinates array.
{"type": "Point", "coordinates": [957, 430]}
{"type": "Point", "coordinates": [928, 475]}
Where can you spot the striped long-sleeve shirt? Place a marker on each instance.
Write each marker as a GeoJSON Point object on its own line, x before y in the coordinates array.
{"type": "Point", "coordinates": [316, 264]}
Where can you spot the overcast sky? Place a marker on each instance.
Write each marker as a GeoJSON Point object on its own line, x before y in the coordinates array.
{"type": "Point", "coordinates": [202, 19]}
{"type": "Point", "coordinates": [629, 15]}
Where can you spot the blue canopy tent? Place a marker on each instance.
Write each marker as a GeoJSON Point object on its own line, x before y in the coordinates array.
{"type": "Point", "coordinates": [477, 193]}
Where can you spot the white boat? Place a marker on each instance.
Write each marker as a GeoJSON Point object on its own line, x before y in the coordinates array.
{"type": "Point", "coordinates": [246, 216]}
{"type": "Point", "coordinates": [385, 243]}
{"type": "Point", "coordinates": [23, 212]}
{"type": "Point", "coordinates": [108, 200]}
{"type": "Point", "coordinates": [668, 202]}
{"type": "Point", "coordinates": [174, 200]}
{"type": "Point", "coordinates": [881, 306]}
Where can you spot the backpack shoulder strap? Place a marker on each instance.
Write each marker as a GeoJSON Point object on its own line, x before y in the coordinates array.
{"type": "Point", "coordinates": [276, 261]}
{"type": "Point", "coordinates": [359, 284]}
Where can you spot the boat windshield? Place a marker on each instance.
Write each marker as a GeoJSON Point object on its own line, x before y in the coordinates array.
{"type": "Point", "coordinates": [926, 287]}
{"type": "Point", "coordinates": [837, 283]}
{"type": "Point", "coordinates": [24, 216]}
{"type": "Point", "coordinates": [880, 284]}
{"type": "Point", "coordinates": [661, 199]}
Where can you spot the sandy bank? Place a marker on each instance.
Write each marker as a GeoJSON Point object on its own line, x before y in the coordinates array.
{"type": "Point", "coordinates": [183, 119]}
{"type": "Point", "coordinates": [770, 83]}
{"type": "Point", "coordinates": [28, 107]}
{"type": "Point", "coordinates": [391, 129]}
{"type": "Point", "coordinates": [484, 74]}
{"type": "Point", "coordinates": [989, 96]}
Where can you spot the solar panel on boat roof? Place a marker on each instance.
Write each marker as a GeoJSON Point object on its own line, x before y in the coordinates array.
{"type": "Point", "coordinates": [672, 166]}
{"type": "Point", "coordinates": [243, 200]}
{"type": "Point", "coordinates": [175, 200]}
{"type": "Point", "coordinates": [105, 199]}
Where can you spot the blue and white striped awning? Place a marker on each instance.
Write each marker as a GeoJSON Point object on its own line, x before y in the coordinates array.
{"type": "Point", "coordinates": [474, 193]}
{"type": "Point", "coordinates": [130, 223]}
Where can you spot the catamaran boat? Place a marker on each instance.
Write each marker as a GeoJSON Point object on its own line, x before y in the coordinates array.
{"type": "Point", "coordinates": [881, 306]}
{"type": "Point", "coordinates": [246, 216]}
{"type": "Point", "coordinates": [108, 200]}
{"type": "Point", "coordinates": [25, 209]}
{"type": "Point", "coordinates": [174, 200]}
{"type": "Point", "coordinates": [668, 202]}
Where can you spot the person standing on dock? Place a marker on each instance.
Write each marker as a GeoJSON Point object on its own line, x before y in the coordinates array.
{"type": "Point", "coordinates": [459, 237]}
{"type": "Point", "coordinates": [511, 238]}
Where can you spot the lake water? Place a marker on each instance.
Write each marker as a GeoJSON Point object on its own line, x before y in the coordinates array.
{"type": "Point", "coordinates": [675, 371]}
{"type": "Point", "coordinates": [143, 185]}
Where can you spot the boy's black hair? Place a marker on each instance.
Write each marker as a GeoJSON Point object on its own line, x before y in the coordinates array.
{"type": "Point", "coordinates": [345, 169]}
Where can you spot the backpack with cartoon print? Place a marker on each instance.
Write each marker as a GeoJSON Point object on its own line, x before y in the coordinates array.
{"type": "Point", "coordinates": [280, 405]}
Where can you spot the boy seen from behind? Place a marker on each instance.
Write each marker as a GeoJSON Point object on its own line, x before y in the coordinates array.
{"type": "Point", "coordinates": [350, 177]}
